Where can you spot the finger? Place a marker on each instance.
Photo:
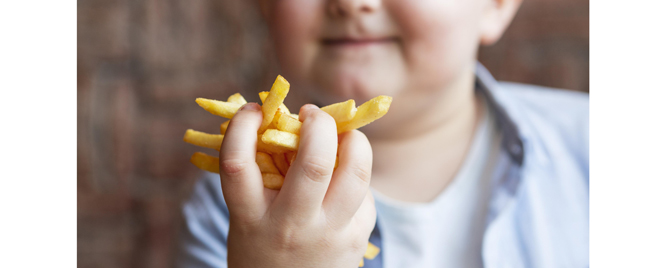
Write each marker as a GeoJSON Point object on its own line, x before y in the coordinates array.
{"type": "Point", "coordinates": [351, 179]}
{"type": "Point", "coordinates": [366, 216]}
{"type": "Point", "coordinates": [307, 179]}
{"type": "Point", "coordinates": [240, 177]}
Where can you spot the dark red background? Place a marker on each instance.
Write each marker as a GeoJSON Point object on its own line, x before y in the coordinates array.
{"type": "Point", "coordinates": [141, 63]}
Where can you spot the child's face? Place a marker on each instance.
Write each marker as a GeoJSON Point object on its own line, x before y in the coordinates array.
{"type": "Point", "coordinates": [334, 50]}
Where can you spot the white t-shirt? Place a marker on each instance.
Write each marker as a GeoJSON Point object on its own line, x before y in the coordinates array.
{"type": "Point", "coordinates": [448, 231]}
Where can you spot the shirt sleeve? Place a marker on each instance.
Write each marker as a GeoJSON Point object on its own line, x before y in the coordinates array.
{"type": "Point", "coordinates": [204, 232]}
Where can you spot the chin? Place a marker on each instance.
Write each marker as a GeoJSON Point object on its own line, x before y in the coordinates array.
{"type": "Point", "coordinates": [360, 86]}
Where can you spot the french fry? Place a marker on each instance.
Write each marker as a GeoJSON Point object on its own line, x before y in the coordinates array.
{"type": "Point", "coordinates": [264, 94]}
{"type": "Point", "coordinates": [371, 251]}
{"type": "Point", "coordinates": [237, 98]}
{"type": "Point", "coordinates": [273, 181]}
{"type": "Point", "coordinates": [223, 127]}
{"type": "Point", "coordinates": [269, 148]}
{"type": "Point", "coordinates": [272, 102]}
{"type": "Point", "coordinates": [278, 135]}
{"type": "Point", "coordinates": [281, 162]}
{"type": "Point", "coordinates": [342, 111]}
{"type": "Point", "coordinates": [265, 163]}
{"type": "Point", "coordinates": [282, 139]}
{"type": "Point", "coordinates": [202, 139]}
{"type": "Point", "coordinates": [367, 113]}
{"type": "Point", "coordinates": [219, 108]}
{"type": "Point", "coordinates": [361, 263]}
{"type": "Point", "coordinates": [206, 162]}
{"type": "Point", "coordinates": [288, 124]}
{"type": "Point", "coordinates": [274, 123]}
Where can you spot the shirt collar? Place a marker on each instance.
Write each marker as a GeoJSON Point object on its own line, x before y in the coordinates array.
{"type": "Point", "coordinates": [511, 141]}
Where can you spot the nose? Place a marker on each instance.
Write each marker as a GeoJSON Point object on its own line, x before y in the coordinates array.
{"type": "Point", "coordinates": [348, 8]}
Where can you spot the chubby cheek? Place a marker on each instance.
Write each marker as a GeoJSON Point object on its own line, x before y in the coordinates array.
{"type": "Point", "coordinates": [294, 26]}
{"type": "Point", "coordinates": [440, 38]}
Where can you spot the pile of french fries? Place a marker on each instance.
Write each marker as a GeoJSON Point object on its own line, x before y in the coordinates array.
{"type": "Point", "coordinates": [278, 135]}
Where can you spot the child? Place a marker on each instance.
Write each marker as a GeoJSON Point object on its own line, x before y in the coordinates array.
{"type": "Point", "coordinates": [466, 171]}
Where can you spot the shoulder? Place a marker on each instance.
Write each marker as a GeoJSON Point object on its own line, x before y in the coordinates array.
{"type": "Point", "coordinates": [551, 202]}
{"type": "Point", "coordinates": [560, 106]}
{"type": "Point", "coordinates": [553, 121]}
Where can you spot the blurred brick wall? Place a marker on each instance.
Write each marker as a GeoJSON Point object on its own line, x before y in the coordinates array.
{"type": "Point", "coordinates": [141, 63]}
{"type": "Point", "coordinates": [546, 44]}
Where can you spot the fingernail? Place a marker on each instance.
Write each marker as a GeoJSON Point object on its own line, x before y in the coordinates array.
{"type": "Point", "coordinates": [250, 106]}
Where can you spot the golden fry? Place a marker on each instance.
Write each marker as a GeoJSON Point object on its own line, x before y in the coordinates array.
{"type": "Point", "coordinates": [269, 148]}
{"type": "Point", "coordinates": [274, 123]}
{"type": "Point", "coordinates": [342, 111]}
{"type": "Point", "coordinates": [278, 135]}
{"type": "Point", "coordinates": [264, 94]}
{"type": "Point", "coordinates": [288, 124]}
{"type": "Point", "coordinates": [265, 163]}
{"type": "Point", "coordinates": [273, 181]}
{"type": "Point", "coordinates": [272, 102]}
{"type": "Point", "coordinates": [281, 162]}
{"type": "Point", "coordinates": [219, 108]}
{"type": "Point", "coordinates": [223, 127]}
{"type": "Point", "coordinates": [371, 251]}
{"type": "Point", "coordinates": [206, 162]}
{"type": "Point", "coordinates": [202, 139]}
{"type": "Point", "coordinates": [282, 139]}
{"type": "Point", "coordinates": [367, 113]}
{"type": "Point", "coordinates": [361, 263]}
{"type": "Point", "coordinates": [237, 98]}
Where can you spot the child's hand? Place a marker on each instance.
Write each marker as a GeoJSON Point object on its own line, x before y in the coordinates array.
{"type": "Point", "coordinates": [319, 218]}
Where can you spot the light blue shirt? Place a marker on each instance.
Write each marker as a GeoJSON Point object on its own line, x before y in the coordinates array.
{"type": "Point", "coordinates": [538, 210]}
{"type": "Point", "coordinates": [413, 233]}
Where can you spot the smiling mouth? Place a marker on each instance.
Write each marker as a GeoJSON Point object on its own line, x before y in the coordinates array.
{"type": "Point", "coordinates": [357, 42]}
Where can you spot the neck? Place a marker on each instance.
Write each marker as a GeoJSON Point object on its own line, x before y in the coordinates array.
{"type": "Point", "coordinates": [427, 149]}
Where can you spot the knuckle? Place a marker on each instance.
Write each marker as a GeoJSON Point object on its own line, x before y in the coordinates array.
{"type": "Point", "coordinates": [361, 172]}
{"type": "Point", "coordinates": [233, 166]}
{"type": "Point", "coordinates": [288, 236]}
{"type": "Point", "coordinates": [359, 244]}
{"type": "Point", "coordinates": [316, 168]}
{"type": "Point", "coordinates": [285, 238]}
